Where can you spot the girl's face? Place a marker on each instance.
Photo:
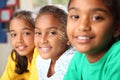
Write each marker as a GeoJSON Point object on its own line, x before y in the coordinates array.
{"type": "Point", "coordinates": [90, 25]}
{"type": "Point", "coordinates": [49, 37]}
{"type": "Point", "coordinates": [22, 37]}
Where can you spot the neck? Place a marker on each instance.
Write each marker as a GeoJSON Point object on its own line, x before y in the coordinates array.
{"type": "Point", "coordinates": [51, 69]}
{"type": "Point", "coordinates": [52, 65]}
{"type": "Point", "coordinates": [94, 57]}
{"type": "Point", "coordinates": [29, 57]}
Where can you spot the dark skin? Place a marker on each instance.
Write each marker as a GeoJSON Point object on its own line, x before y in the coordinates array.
{"type": "Point", "coordinates": [51, 69]}
{"type": "Point", "coordinates": [50, 40]}
{"type": "Point", "coordinates": [88, 26]}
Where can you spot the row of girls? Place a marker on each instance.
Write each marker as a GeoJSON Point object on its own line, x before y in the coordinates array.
{"type": "Point", "coordinates": [53, 45]}
{"type": "Point", "coordinates": [38, 41]}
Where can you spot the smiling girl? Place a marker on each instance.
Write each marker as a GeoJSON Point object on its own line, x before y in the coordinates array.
{"type": "Point", "coordinates": [21, 29]}
{"type": "Point", "coordinates": [93, 28]}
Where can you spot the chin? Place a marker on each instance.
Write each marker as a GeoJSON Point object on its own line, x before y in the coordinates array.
{"type": "Point", "coordinates": [81, 50]}
{"type": "Point", "coordinates": [44, 56]}
{"type": "Point", "coordinates": [22, 54]}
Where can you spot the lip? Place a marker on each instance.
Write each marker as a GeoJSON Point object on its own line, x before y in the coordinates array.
{"type": "Point", "coordinates": [83, 39]}
{"type": "Point", "coordinates": [44, 49]}
{"type": "Point", "coordinates": [21, 48]}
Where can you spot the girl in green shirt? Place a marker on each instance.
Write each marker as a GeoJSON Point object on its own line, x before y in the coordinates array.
{"type": "Point", "coordinates": [93, 27]}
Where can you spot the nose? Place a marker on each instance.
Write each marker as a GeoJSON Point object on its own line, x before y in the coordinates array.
{"type": "Point", "coordinates": [43, 38]}
{"type": "Point", "coordinates": [84, 24]}
{"type": "Point", "coordinates": [20, 38]}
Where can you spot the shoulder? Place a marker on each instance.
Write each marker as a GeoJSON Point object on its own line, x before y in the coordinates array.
{"type": "Point", "coordinates": [69, 52]}
{"type": "Point", "coordinates": [63, 62]}
{"type": "Point", "coordinates": [42, 63]}
{"type": "Point", "coordinates": [42, 66]}
{"type": "Point", "coordinates": [66, 57]}
{"type": "Point", "coordinates": [10, 60]}
{"type": "Point", "coordinates": [36, 53]}
{"type": "Point", "coordinates": [117, 44]}
{"type": "Point", "coordinates": [32, 67]}
{"type": "Point", "coordinates": [115, 48]}
{"type": "Point", "coordinates": [113, 53]}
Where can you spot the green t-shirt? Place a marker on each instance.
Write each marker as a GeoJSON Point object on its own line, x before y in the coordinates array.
{"type": "Point", "coordinates": [107, 68]}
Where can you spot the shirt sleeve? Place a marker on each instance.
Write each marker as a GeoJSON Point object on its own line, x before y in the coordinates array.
{"type": "Point", "coordinates": [72, 71]}
{"type": "Point", "coordinates": [9, 70]}
{"type": "Point", "coordinates": [33, 69]}
{"type": "Point", "coordinates": [113, 71]}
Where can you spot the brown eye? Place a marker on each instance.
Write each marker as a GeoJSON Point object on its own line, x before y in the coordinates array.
{"type": "Point", "coordinates": [52, 33]}
{"type": "Point", "coordinates": [27, 33]}
{"type": "Point", "coordinates": [13, 35]}
{"type": "Point", "coordinates": [75, 17]}
{"type": "Point", "coordinates": [97, 18]}
{"type": "Point", "coordinates": [37, 33]}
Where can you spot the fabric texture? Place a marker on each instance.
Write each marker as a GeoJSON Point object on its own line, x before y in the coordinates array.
{"type": "Point", "coordinates": [33, 70]}
{"type": "Point", "coordinates": [60, 66]}
{"type": "Point", "coordinates": [9, 73]}
{"type": "Point", "coordinates": [107, 68]}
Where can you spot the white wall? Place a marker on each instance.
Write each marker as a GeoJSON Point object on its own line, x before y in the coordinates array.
{"type": "Point", "coordinates": [5, 50]}
{"type": "Point", "coordinates": [26, 4]}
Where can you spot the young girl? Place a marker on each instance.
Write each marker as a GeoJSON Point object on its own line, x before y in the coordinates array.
{"type": "Point", "coordinates": [21, 30]}
{"type": "Point", "coordinates": [93, 27]}
{"type": "Point", "coordinates": [52, 42]}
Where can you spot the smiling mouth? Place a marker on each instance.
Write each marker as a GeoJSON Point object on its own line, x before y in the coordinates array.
{"type": "Point", "coordinates": [21, 48]}
{"type": "Point", "coordinates": [83, 39]}
{"type": "Point", "coordinates": [44, 49]}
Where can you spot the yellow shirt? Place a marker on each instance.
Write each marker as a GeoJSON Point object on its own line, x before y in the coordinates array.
{"type": "Point", "coordinates": [9, 73]}
{"type": "Point", "coordinates": [33, 71]}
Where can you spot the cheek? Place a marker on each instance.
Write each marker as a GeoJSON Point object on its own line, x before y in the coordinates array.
{"type": "Point", "coordinates": [69, 32]}
{"type": "Point", "coordinates": [104, 28]}
{"type": "Point", "coordinates": [103, 33]}
{"type": "Point", "coordinates": [56, 42]}
{"type": "Point", "coordinates": [29, 40]}
{"type": "Point", "coordinates": [70, 27]}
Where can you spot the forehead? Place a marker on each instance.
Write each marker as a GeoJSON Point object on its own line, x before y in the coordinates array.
{"type": "Point", "coordinates": [47, 21]}
{"type": "Point", "coordinates": [16, 21]}
{"type": "Point", "coordinates": [86, 4]}
{"type": "Point", "coordinates": [19, 24]}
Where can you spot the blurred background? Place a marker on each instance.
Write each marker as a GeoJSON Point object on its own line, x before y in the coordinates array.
{"type": "Point", "coordinates": [7, 8]}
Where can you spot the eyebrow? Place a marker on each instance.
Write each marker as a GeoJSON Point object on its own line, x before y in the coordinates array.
{"type": "Point", "coordinates": [52, 27]}
{"type": "Point", "coordinates": [11, 31]}
{"type": "Point", "coordinates": [100, 9]}
{"type": "Point", "coordinates": [48, 28]}
{"type": "Point", "coordinates": [22, 29]}
{"type": "Point", "coordinates": [72, 8]}
{"type": "Point", "coordinates": [94, 9]}
{"type": "Point", "coordinates": [26, 29]}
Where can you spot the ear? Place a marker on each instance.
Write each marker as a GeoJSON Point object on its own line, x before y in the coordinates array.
{"type": "Point", "coordinates": [117, 32]}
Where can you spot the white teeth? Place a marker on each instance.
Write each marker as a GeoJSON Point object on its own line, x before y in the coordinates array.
{"type": "Point", "coordinates": [83, 37]}
{"type": "Point", "coordinates": [44, 49]}
{"type": "Point", "coordinates": [21, 47]}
